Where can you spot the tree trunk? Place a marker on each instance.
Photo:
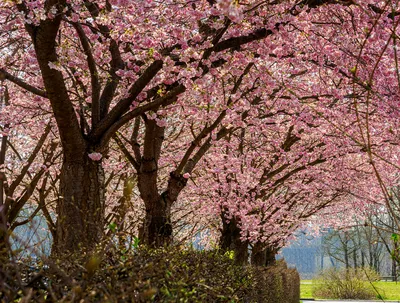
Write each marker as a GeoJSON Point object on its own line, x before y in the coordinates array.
{"type": "Point", "coordinates": [4, 241]}
{"type": "Point", "coordinates": [3, 208]}
{"type": "Point", "coordinates": [121, 210]}
{"type": "Point", "coordinates": [80, 206]}
{"type": "Point", "coordinates": [355, 263]}
{"type": "Point", "coordinates": [362, 259]}
{"type": "Point", "coordinates": [230, 241]}
{"type": "Point", "coordinates": [395, 260]}
{"type": "Point", "coordinates": [263, 255]}
{"type": "Point", "coordinates": [346, 255]}
{"type": "Point", "coordinates": [157, 227]}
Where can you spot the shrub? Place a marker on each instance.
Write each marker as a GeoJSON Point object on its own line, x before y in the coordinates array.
{"type": "Point", "coordinates": [351, 283]}
{"type": "Point", "coordinates": [149, 275]}
{"type": "Point", "coordinates": [277, 284]}
{"type": "Point", "coordinates": [145, 275]}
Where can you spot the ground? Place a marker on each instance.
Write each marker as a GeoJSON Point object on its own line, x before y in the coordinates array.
{"type": "Point", "coordinates": [388, 290]}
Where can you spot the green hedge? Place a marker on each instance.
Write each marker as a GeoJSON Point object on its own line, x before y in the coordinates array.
{"type": "Point", "coordinates": [277, 284]}
{"type": "Point", "coordinates": [161, 275]}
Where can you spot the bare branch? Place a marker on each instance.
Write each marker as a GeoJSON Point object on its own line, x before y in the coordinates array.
{"type": "Point", "coordinates": [30, 160]}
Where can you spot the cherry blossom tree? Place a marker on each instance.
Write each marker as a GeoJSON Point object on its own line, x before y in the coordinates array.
{"type": "Point", "coordinates": [371, 76]}
{"type": "Point", "coordinates": [198, 71]}
{"type": "Point", "coordinates": [99, 70]}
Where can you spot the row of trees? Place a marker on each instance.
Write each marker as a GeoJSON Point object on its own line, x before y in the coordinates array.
{"type": "Point", "coordinates": [249, 116]}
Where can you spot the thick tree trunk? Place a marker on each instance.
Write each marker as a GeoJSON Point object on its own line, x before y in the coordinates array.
{"type": "Point", "coordinates": [157, 227]}
{"type": "Point", "coordinates": [230, 241]}
{"type": "Point", "coordinates": [80, 208]}
{"type": "Point", "coordinates": [263, 255]}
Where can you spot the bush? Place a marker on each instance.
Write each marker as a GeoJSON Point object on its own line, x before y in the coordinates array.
{"type": "Point", "coordinates": [352, 283]}
{"type": "Point", "coordinates": [149, 275]}
{"type": "Point", "coordinates": [145, 275]}
{"type": "Point", "coordinates": [277, 284]}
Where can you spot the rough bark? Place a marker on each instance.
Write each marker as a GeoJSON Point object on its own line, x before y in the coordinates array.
{"type": "Point", "coordinates": [230, 241]}
{"type": "Point", "coordinates": [157, 227]}
{"type": "Point", "coordinates": [80, 208]}
{"type": "Point", "coordinates": [263, 255]}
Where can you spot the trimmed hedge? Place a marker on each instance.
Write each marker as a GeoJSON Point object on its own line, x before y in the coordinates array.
{"type": "Point", "coordinates": [277, 284]}
{"type": "Point", "coordinates": [148, 275]}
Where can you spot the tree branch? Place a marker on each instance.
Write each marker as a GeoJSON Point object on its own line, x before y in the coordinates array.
{"type": "Point", "coordinates": [126, 153]}
{"type": "Point", "coordinates": [30, 188]}
{"type": "Point", "coordinates": [235, 42]}
{"type": "Point", "coordinates": [93, 73]}
{"type": "Point", "coordinates": [6, 75]}
{"type": "Point", "coordinates": [203, 149]}
{"type": "Point", "coordinates": [123, 105]}
{"type": "Point", "coordinates": [134, 139]}
{"type": "Point", "coordinates": [44, 41]}
{"type": "Point", "coordinates": [169, 98]}
{"type": "Point", "coordinates": [30, 160]}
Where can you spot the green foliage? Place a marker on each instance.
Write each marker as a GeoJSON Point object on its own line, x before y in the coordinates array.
{"type": "Point", "coordinates": [141, 275]}
{"type": "Point", "coordinates": [395, 253]}
{"type": "Point", "coordinates": [136, 242]}
{"type": "Point", "coordinates": [113, 227]}
{"type": "Point", "coordinates": [277, 284]}
{"type": "Point", "coordinates": [230, 254]}
{"type": "Point", "coordinates": [351, 283]}
{"type": "Point", "coordinates": [149, 275]}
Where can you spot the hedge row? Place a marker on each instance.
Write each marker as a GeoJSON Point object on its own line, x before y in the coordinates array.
{"type": "Point", "coordinates": [162, 275]}
{"type": "Point", "coordinates": [277, 284]}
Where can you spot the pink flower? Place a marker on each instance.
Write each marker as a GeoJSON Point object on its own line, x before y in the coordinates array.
{"type": "Point", "coordinates": [161, 122]}
{"type": "Point", "coordinates": [74, 17]}
{"type": "Point", "coordinates": [95, 156]}
{"type": "Point", "coordinates": [186, 175]}
{"type": "Point", "coordinates": [55, 65]}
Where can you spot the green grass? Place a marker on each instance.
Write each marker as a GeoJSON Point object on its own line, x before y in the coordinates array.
{"type": "Point", "coordinates": [388, 290]}
{"type": "Point", "coordinates": [306, 289]}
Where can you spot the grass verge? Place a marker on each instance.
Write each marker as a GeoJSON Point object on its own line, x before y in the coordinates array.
{"type": "Point", "coordinates": [388, 290]}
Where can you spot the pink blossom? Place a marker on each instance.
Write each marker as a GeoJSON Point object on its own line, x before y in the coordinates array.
{"type": "Point", "coordinates": [95, 156]}
{"type": "Point", "coordinates": [161, 122]}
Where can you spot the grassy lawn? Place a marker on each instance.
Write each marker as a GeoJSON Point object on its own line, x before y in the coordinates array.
{"type": "Point", "coordinates": [388, 290]}
{"type": "Point", "coordinates": [306, 289]}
